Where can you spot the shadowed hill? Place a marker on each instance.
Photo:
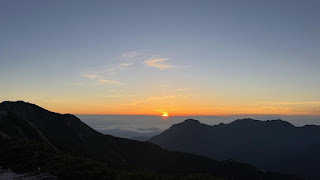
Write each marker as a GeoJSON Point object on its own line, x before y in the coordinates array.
{"type": "Point", "coordinates": [141, 136]}
{"type": "Point", "coordinates": [67, 134]}
{"type": "Point", "coordinates": [271, 145]}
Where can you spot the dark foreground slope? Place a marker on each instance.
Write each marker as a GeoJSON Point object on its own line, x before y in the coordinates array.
{"type": "Point", "coordinates": [37, 159]}
{"type": "Point", "coordinates": [271, 145]}
{"type": "Point", "coordinates": [65, 136]}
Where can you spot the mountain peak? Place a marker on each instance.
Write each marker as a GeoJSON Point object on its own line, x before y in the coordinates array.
{"type": "Point", "coordinates": [193, 121]}
{"type": "Point", "coordinates": [245, 121]}
{"type": "Point", "coordinates": [22, 106]}
{"type": "Point", "coordinates": [17, 103]}
{"type": "Point", "coordinates": [20, 101]}
{"type": "Point", "coordinates": [248, 122]}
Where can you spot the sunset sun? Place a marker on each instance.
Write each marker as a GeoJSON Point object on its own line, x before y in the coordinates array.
{"type": "Point", "coordinates": [165, 114]}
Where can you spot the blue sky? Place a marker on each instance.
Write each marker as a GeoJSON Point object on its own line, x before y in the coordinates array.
{"type": "Point", "coordinates": [149, 57]}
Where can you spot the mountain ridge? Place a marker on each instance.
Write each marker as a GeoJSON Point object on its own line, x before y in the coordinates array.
{"type": "Point", "coordinates": [269, 145]}
{"type": "Point", "coordinates": [69, 135]}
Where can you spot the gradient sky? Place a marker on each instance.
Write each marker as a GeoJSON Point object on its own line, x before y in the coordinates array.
{"type": "Point", "coordinates": [148, 57]}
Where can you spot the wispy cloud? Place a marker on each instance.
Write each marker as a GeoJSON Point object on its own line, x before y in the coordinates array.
{"type": "Point", "coordinates": [106, 81]}
{"type": "Point", "coordinates": [121, 63]}
{"type": "Point", "coordinates": [90, 76]}
{"type": "Point", "coordinates": [125, 62]}
{"type": "Point", "coordinates": [100, 80]}
{"type": "Point", "coordinates": [159, 63]}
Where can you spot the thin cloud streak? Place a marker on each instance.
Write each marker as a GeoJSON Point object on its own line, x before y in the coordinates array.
{"type": "Point", "coordinates": [90, 76]}
{"type": "Point", "coordinates": [106, 81]}
{"type": "Point", "coordinates": [100, 80]}
{"type": "Point", "coordinates": [158, 63]}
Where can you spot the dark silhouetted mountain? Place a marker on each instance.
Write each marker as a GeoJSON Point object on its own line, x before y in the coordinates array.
{"type": "Point", "coordinates": [31, 136]}
{"type": "Point", "coordinates": [274, 145]}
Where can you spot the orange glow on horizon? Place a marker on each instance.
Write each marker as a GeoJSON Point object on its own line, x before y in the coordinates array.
{"type": "Point", "coordinates": [180, 109]}
{"type": "Point", "coordinates": [185, 112]}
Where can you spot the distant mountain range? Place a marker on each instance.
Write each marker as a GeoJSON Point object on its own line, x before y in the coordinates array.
{"type": "Point", "coordinates": [35, 139]}
{"type": "Point", "coordinates": [274, 145]}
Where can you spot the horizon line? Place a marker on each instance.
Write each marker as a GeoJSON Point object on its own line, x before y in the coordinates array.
{"type": "Point", "coordinates": [209, 115]}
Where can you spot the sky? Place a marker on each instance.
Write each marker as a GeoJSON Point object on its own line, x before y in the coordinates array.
{"type": "Point", "coordinates": [204, 57]}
